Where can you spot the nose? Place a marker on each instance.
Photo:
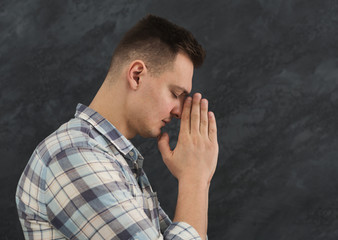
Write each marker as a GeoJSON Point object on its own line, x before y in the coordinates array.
{"type": "Point", "coordinates": [176, 112]}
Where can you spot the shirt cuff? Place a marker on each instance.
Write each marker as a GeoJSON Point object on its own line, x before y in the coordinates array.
{"type": "Point", "coordinates": [181, 230]}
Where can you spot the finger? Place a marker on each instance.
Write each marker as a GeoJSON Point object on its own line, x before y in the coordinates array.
{"type": "Point", "coordinates": [163, 145]}
{"type": "Point", "coordinates": [204, 117]}
{"type": "Point", "coordinates": [212, 127]}
{"type": "Point", "coordinates": [195, 113]}
{"type": "Point", "coordinates": [185, 117]}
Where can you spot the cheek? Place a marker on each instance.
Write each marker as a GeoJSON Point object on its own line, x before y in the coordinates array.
{"type": "Point", "coordinates": [161, 104]}
{"type": "Point", "coordinates": [159, 110]}
{"type": "Point", "coordinates": [166, 107]}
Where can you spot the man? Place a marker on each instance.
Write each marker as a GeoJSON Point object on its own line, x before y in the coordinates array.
{"type": "Point", "coordinates": [85, 181]}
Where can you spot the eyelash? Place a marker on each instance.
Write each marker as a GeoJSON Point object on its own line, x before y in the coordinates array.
{"type": "Point", "coordinates": [175, 96]}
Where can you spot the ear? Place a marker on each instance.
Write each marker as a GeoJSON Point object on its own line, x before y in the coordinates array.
{"type": "Point", "coordinates": [136, 71]}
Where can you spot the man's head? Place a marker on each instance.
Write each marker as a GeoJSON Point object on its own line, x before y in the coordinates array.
{"type": "Point", "coordinates": [156, 41]}
{"type": "Point", "coordinates": [150, 75]}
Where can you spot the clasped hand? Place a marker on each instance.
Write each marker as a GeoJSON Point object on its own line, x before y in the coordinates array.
{"type": "Point", "coordinates": [194, 158]}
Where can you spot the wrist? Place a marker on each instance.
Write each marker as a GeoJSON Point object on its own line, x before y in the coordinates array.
{"type": "Point", "coordinates": [197, 183]}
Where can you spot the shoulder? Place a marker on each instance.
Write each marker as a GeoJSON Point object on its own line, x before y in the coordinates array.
{"type": "Point", "coordinates": [73, 137]}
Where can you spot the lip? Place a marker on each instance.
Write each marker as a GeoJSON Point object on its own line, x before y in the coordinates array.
{"type": "Point", "coordinates": [165, 122]}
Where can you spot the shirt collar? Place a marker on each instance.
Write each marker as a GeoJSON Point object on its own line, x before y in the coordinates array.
{"type": "Point", "coordinates": [108, 130]}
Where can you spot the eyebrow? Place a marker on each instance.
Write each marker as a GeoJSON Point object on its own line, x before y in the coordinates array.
{"type": "Point", "coordinates": [185, 92]}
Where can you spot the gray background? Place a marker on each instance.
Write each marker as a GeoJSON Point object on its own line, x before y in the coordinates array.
{"type": "Point", "coordinates": [270, 76]}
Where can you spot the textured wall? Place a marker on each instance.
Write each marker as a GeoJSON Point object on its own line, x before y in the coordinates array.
{"type": "Point", "coordinates": [270, 75]}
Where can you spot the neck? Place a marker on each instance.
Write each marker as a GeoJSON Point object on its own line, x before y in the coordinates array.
{"type": "Point", "coordinates": [110, 103]}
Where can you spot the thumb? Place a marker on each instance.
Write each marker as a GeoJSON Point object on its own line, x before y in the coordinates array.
{"type": "Point", "coordinates": [163, 144]}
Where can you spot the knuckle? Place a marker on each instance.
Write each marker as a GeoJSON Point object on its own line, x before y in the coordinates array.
{"type": "Point", "coordinates": [195, 141]}
{"type": "Point", "coordinates": [213, 130]}
{"type": "Point", "coordinates": [185, 117]}
{"type": "Point", "coordinates": [183, 137]}
{"type": "Point", "coordinates": [194, 114]}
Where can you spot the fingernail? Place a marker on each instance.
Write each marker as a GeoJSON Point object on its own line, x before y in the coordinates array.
{"type": "Point", "coordinates": [198, 95]}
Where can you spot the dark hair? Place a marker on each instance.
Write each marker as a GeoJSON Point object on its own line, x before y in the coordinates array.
{"type": "Point", "coordinates": [157, 41]}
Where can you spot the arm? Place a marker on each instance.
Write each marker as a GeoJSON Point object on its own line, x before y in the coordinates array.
{"type": "Point", "coordinates": [193, 162]}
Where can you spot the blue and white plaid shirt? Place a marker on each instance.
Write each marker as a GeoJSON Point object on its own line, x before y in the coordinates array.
{"type": "Point", "coordinates": [85, 181]}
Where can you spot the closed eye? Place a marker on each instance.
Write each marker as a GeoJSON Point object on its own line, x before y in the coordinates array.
{"type": "Point", "coordinates": [174, 95]}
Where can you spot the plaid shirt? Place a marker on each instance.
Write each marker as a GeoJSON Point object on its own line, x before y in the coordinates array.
{"type": "Point", "coordinates": [85, 181]}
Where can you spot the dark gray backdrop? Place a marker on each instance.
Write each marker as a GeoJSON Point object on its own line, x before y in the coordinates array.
{"type": "Point", "coordinates": [270, 75]}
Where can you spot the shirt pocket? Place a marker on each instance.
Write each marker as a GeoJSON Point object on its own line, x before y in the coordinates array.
{"type": "Point", "coordinates": [137, 194]}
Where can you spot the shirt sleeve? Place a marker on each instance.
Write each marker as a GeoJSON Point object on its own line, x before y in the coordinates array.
{"type": "Point", "coordinates": [169, 231]}
{"type": "Point", "coordinates": [87, 196]}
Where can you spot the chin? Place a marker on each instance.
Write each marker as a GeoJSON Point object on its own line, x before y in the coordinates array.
{"type": "Point", "coordinates": [151, 133]}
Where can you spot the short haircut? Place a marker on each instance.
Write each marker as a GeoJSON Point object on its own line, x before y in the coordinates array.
{"type": "Point", "coordinates": [156, 41]}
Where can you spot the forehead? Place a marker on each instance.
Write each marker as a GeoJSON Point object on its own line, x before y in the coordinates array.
{"type": "Point", "coordinates": [181, 73]}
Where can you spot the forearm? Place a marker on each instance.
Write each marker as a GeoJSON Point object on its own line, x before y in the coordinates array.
{"type": "Point", "coordinates": [192, 205]}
